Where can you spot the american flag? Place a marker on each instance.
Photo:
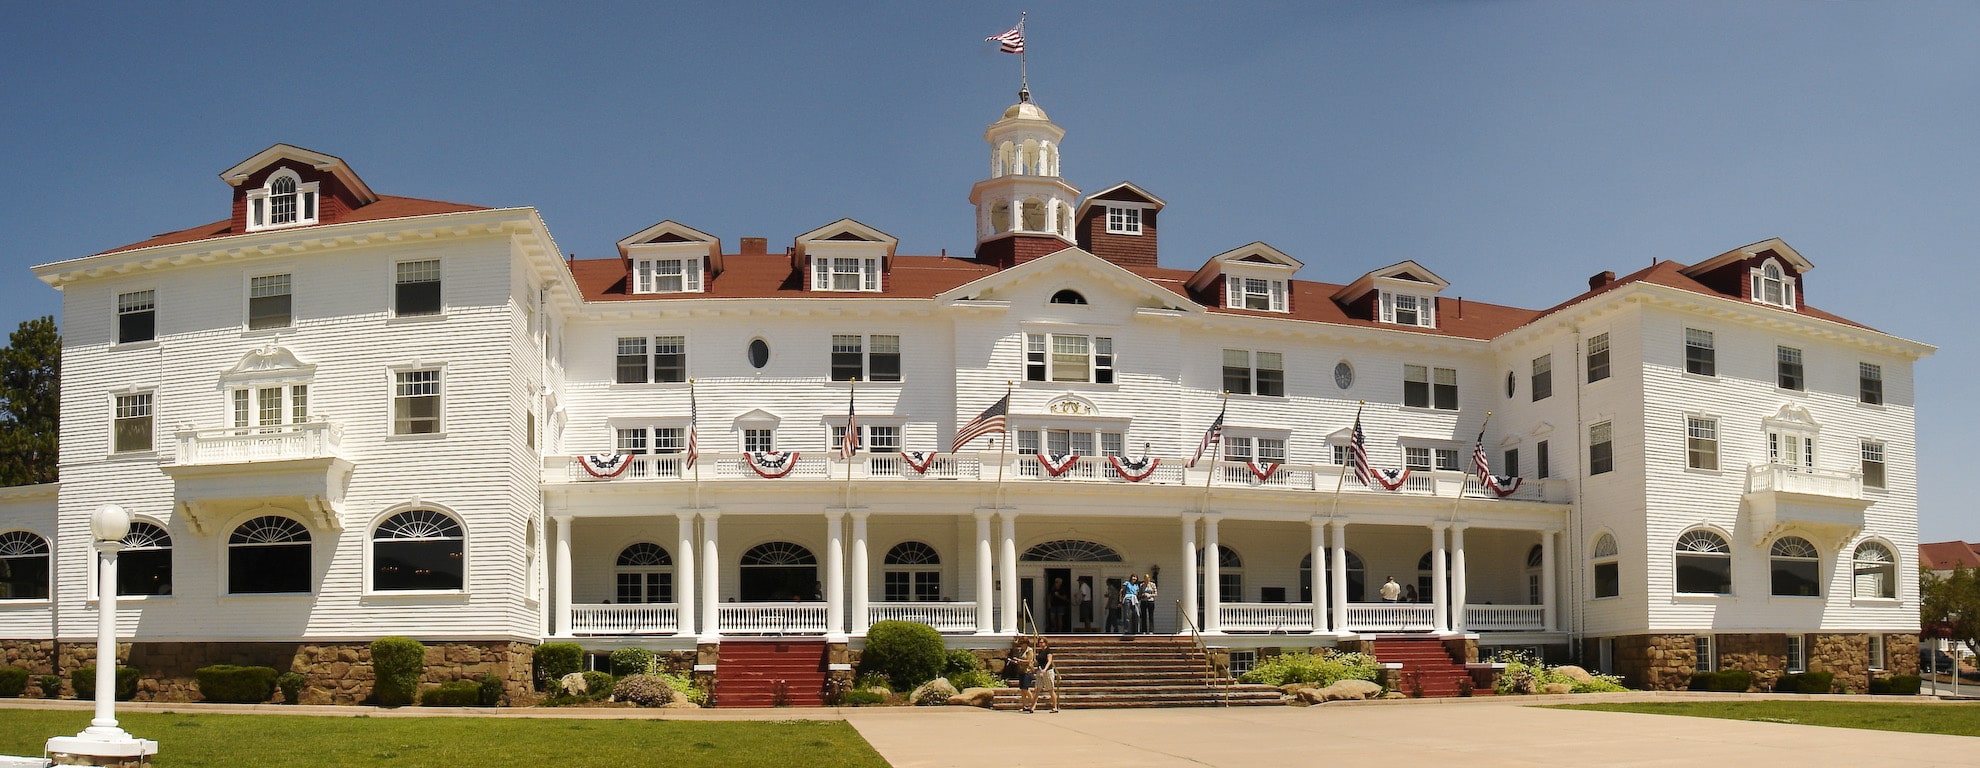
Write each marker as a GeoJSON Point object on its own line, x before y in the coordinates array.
{"type": "Point", "coordinates": [849, 442]}
{"type": "Point", "coordinates": [694, 412]}
{"type": "Point", "coordinates": [1479, 461]}
{"type": "Point", "coordinates": [1210, 437]}
{"type": "Point", "coordinates": [1012, 41]}
{"type": "Point", "coordinates": [1358, 455]}
{"type": "Point", "coordinates": [992, 419]}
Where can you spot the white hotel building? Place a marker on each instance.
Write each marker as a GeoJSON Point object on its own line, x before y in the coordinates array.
{"type": "Point", "coordinates": [339, 415]}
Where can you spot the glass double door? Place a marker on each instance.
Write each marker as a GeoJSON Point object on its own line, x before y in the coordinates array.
{"type": "Point", "coordinates": [1066, 599]}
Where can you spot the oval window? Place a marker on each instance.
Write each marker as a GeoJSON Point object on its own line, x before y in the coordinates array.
{"type": "Point", "coordinates": [1512, 384]}
{"type": "Point", "coordinates": [1343, 374]}
{"type": "Point", "coordinates": [759, 353]}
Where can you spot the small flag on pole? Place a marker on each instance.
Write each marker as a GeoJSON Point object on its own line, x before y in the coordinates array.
{"type": "Point", "coordinates": [1358, 455]}
{"type": "Point", "coordinates": [849, 442]}
{"type": "Point", "coordinates": [1012, 41]}
{"type": "Point", "coordinates": [693, 449]}
{"type": "Point", "coordinates": [1210, 436]}
{"type": "Point", "coordinates": [992, 419]}
{"type": "Point", "coordinates": [1502, 485]}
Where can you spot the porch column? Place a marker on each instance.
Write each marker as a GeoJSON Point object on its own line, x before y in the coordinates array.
{"type": "Point", "coordinates": [1547, 580]}
{"type": "Point", "coordinates": [1007, 575]}
{"type": "Point", "coordinates": [684, 601]}
{"type": "Point", "coordinates": [1457, 579]}
{"type": "Point", "coordinates": [711, 576]}
{"type": "Point", "coordinates": [1213, 585]}
{"type": "Point", "coordinates": [1317, 587]}
{"type": "Point", "coordinates": [835, 575]}
{"type": "Point", "coordinates": [1338, 581]}
{"type": "Point", "coordinates": [563, 576]}
{"type": "Point", "coordinates": [985, 581]}
{"type": "Point", "coordinates": [1440, 600]}
{"type": "Point", "coordinates": [1189, 595]}
{"type": "Point", "coordinates": [860, 577]}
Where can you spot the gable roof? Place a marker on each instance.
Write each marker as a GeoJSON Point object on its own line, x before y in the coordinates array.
{"type": "Point", "coordinates": [1406, 270]}
{"type": "Point", "coordinates": [1126, 190]}
{"type": "Point", "coordinates": [1775, 244]}
{"type": "Point", "coordinates": [1671, 274]}
{"type": "Point", "coordinates": [331, 164]}
{"type": "Point", "coordinates": [1256, 251]}
{"type": "Point", "coordinates": [1074, 258]}
{"type": "Point", "coordinates": [1947, 555]}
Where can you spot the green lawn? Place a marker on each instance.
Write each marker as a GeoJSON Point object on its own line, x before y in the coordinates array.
{"type": "Point", "coordinates": [1952, 719]}
{"type": "Point", "coordinates": [457, 742]}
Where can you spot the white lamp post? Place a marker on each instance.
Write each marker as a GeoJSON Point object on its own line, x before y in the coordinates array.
{"type": "Point", "coordinates": [103, 742]}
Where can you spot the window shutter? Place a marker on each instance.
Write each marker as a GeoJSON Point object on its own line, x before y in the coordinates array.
{"type": "Point", "coordinates": [869, 274]}
{"type": "Point", "coordinates": [1233, 291]}
{"type": "Point", "coordinates": [691, 274]}
{"type": "Point", "coordinates": [821, 274]}
{"type": "Point", "coordinates": [1388, 307]}
{"type": "Point", "coordinates": [1278, 295]}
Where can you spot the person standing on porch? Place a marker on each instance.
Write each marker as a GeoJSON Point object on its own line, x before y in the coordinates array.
{"type": "Point", "coordinates": [1391, 591]}
{"type": "Point", "coordinates": [1058, 613]}
{"type": "Point", "coordinates": [1409, 593]}
{"type": "Point", "coordinates": [1114, 587]}
{"type": "Point", "coordinates": [1130, 605]}
{"type": "Point", "coordinates": [1085, 604]}
{"type": "Point", "coordinates": [1148, 594]}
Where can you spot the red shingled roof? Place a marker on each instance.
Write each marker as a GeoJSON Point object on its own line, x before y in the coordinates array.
{"type": "Point", "coordinates": [386, 207]}
{"type": "Point", "coordinates": [1947, 555]}
{"type": "Point", "coordinates": [1670, 274]}
{"type": "Point", "coordinates": [771, 276]}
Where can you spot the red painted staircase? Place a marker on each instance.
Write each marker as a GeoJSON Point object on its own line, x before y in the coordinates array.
{"type": "Point", "coordinates": [1424, 661]}
{"type": "Point", "coordinates": [770, 673]}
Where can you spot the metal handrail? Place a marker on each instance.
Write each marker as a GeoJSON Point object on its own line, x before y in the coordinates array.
{"type": "Point", "coordinates": [1209, 666]}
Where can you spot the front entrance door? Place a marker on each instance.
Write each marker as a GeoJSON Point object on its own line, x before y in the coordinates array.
{"type": "Point", "coordinates": [1068, 599]}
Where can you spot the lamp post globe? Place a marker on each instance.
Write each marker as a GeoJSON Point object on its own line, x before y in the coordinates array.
{"type": "Point", "coordinates": [110, 523]}
{"type": "Point", "coordinates": [103, 743]}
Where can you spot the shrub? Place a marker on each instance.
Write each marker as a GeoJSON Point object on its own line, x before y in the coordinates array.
{"type": "Point", "coordinates": [51, 686]}
{"type": "Point", "coordinates": [84, 681]}
{"type": "Point", "coordinates": [684, 682]}
{"type": "Point", "coordinates": [598, 685]}
{"type": "Point", "coordinates": [858, 698]}
{"type": "Point", "coordinates": [459, 693]}
{"type": "Point", "coordinates": [242, 685]}
{"type": "Point", "coordinates": [959, 661]}
{"type": "Point", "coordinates": [291, 684]}
{"type": "Point", "coordinates": [644, 690]}
{"type": "Point", "coordinates": [13, 681]}
{"type": "Point", "coordinates": [491, 690]}
{"type": "Point", "coordinates": [1319, 669]}
{"type": "Point", "coordinates": [631, 661]}
{"type": "Point", "coordinates": [555, 660]}
{"type": "Point", "coordinates": [908, 653]}
{"type": "Point", "coordinates": [1723, 681]}
{"type": "Point", "coordinates": [979, 678]}
{"type": "Point", "coordinates": [398, 662]}
{"type": "Point", "coordinates": [1525, 674]}
{"type": "Point", "coordinates": [1901, 685]}
{"type": "Point", "coordinates": [1805, 682]}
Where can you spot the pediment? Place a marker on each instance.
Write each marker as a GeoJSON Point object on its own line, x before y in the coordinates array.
{"type": "Point", "coordinates": [1256, 255]}
{"type": "Point", "coordinates": [1775, 246]}
{"type": "Point", "coordinates": [1793, 416]}
{"type": "Point", "coordinates": [335, 166]}
{"type": "Point", "coordinates": [1071, 267]}
{"type": "Point", "coordinates": [1406, 275]}
{"type": "Point", "coordinates": [269, 362]}
{"type": "Point", "coordinates": [758, 418]}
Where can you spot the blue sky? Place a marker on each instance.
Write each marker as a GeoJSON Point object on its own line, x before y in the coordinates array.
{"type": "Point", "coordinates": [1513, 147]}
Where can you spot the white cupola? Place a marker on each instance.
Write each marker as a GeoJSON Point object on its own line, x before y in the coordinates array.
{"type": "Point", "coordinates": [1024, 210]}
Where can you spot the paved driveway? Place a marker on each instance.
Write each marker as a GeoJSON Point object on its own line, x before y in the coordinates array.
{"type": "Point", "coordinates": [1480, 733]}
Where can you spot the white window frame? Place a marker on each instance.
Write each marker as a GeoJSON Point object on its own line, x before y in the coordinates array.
{"type": "Point", "coordinates": [1869, 383]}
{"type": "Point", "coordinates": [248, 406]}
{"type": "Point", "coordinates": [1887, 569]}
{"type": "Point", "coordinates": [675, 275]}
{"type": "Point", "coordinates": [829, 273]}
{"type": "Point", "coordinates": [1606, 431]}
{"type": "Point", "coordinates": [659, 437]}
{"type": "Point", "coordinates": [755, 439]}
{"type": "Point", "coordinates": [439, 396]}
{"type": "Point", "coordinates": [1259, 294]}
{"type": "Point", "coordinates": [1706, 653]}
{"type": "Point", "coordinates": [1253, 445]}
{"type": "Point", "coordinates": [132, 304]}
{"type": "Point", "coordinates": [371, 540]}
{"type": "Point", "coordinates": [1609, 555]}
{"type": "Point", "coordinates": [1785, 356]}
{"type": "Point", "coordinates": [1704, 341]}
{"type": "Point", "coordinates": [1797, 654]}
{"type": "Point", "coordinates": [875, 438]}
{"type": "Point", "coordinates": [1541, 383]}
{"type": "Point", "coordinates": [1432, 378]}
{"type": "Point", "coordinates": [1791, 447]}
{"type": "Point", "coordinates": [150, 415]}
{"type": "Point", "coordinates": [1700, 431]}
{"type": "Point", "coordinates": [1123, 220]}
{"type": "Point", "coordinates": [260, 203]}
{"type": "Point", "coordinates": [1422, 309]}
{"type": "Point", "coordinates": [249, 290]}
{"type": "Point", "coordinates": [1041, 353]}
{"type": "Point", "coordinates": [1770, 276]}
{"type": "Point", "coordinates": [1252, 364]}
{"type": "Point", "coordinates": [1678, 551]}
{"type": "Point", "coordinates": [1598, 357]}
{"type": "Point", "coordinates": [868, 347]}
{"type": "Point", "coordinates": [1878, 659]}
{"type": "Point", "coordinates": [399, 278]}
{"type": "Point", "coordinates": [1081, 439]}
{"type": "Point", "coordinates": [1872, 452]}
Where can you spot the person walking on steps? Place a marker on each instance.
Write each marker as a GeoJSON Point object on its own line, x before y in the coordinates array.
{"type": "Point", "coordinates": [1148, 594]}
{"type": "Point", "coordinates": [1048, 673]}
{"type": "Point", "coordinates": [1130, 606]}
{"type": "Point", "coordinates": [1026, 661]}
{"type": "Point", "coordinates": [1391, 591]}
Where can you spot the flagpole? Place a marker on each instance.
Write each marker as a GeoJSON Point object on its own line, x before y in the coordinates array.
{"type": "Point", "coordinates": [693, 436]}
{"type": "Point", "coordinates": [1003, 452]}
{"type": "Point", "coordinates": [1024, 79]}
{"type": "Point", "coordinates": [1460, 494]}
{"type": "Point", "coordinates": [1341, 481]}
{"type": "Point", "coordinates": [852, 391]}
{"type": "Point", "coordinates": [1215, 451]}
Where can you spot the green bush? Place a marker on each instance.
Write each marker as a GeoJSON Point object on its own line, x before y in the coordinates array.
{"type": "Point", "coordinates": [291, 684]}
{"type": "Point", "coordinates": [1319, 669]}
{"type": "Point", "coordinates": [51, 686]}
{"type": "Point", "coordinates": [459, 693]}
{"type": "Point", "coordinates": [684, 682]}
{"type": "Point", "coordinates": [858, 698]}
{"type": "Point", "coordinates": [976, 678]}
{"type": "Point", "coordinates": [1722, 681]}
{"type": "Point", "coordinates": [84, 681]}
{"type": "Point", "coordinates": [631, 661]}
{"type": "Point", "coordinates": [1524, 674]}
{"type": "Point", "coordinates": [13, 682]}
{"type": "Point", "coordinates": [644, 690]}
{"type": "Point", "coordinates": [241, 685]}
{"type": "Point", "coordinates": [1900, 685]}
{"type": "Point", "coordinates": [1805, 682]}
{"type": "Point", "coordinates": [908, 653]}
{"type": "Point", "coordinates": [398, 662]}
{"type": "Point", "coordinates": [555, 660]}
{"type": "Point", "coordinates": [491, 690]}
{"type": "Point", "coordinates": [598, 685]}
{"type": "Point", "coordinates": [959, 661]}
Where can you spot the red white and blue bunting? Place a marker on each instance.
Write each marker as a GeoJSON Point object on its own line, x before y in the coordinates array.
{"type": "Point", "coordinates": [1058, 464]}
{"type": "Point", "coordinates": [1134, 470]}
{"type": "Point", "coordinates": [1390, 479]}
{"type": "Point", "coordinates": [771, 464]}
{"type": "Point", "coordinates": [919, 461]}
{"type": "Point", "coordinates": [1504, 485]}
{"type": "Point", "coordinates": [605, 466]}
{"type": "Point", "coordinates": [1264, 471]}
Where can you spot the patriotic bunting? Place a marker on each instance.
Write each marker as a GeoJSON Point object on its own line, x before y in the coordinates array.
{"type": "Point", "coordinates": [771, 464]}
{"type": "Point", "coordinates": [605, 466]}
{"type": "Point", "coordinates": [1264, 471]}
{"type": "Point", "coordinates": [919, 461]}
{"type": "Point", "coordinates": [1134, 470]}
{"type": "Point", "coordinates": [1389, 479]}
{"type": "Point", "coordinates": [1503, 485]}
{"type": "Point", "coordinates": [1058, 464]}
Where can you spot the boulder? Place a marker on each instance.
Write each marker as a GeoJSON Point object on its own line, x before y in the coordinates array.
{"type": "Point", "coordinates": [573, 684]}
{"type": "Point", "coordinates": [1395, 695]}
{"type": "Point", "coordinates": [880, 691]}
{"type": "Point", "coordinates": [1575, 673]}
{"type": "Point", "coordinates": [1310, 695]}
{"type": "Point", "coordinates": [1557, 688]}
{"type": "Point", "coordinates": [974, 697]}
{"type": "Point", "coordinates": [933, 692]}
{"type": "Point", "coordinates": [1345, 690]}
{"type": "Point", "coordinates": [1293, 689]}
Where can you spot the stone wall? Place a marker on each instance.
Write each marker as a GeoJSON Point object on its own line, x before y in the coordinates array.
{"type": "Point", "coordinates": [1847, 657]}
{"type": "Point", "coordinates": [1463, 650]}
{"type": "Point", "coordinates": [1763, 654]}
{"type": "Point", "coordinates": [334, 673]}
{"type": "Point", "coordinates": [1900, 654]}
{"type": "Point", "coordinates": [1655, 662]}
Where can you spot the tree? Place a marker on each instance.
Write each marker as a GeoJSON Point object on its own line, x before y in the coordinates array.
{"type": "Point", "coordinates": [1952, 601]}
{"type": "Point", "coordinates": [30, 403]}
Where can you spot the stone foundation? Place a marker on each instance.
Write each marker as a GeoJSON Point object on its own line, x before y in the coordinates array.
{"type": "Point", "coordinates": [1900, 657]}
{"type": "Point", "coordinates": [1666, 662]}
{"type": "Point", "coordinates": [1655, 662]}
{"type": "Point", "coordinates": [1462, 649]}
{"type": "Point", "coordinates": [334, 673]}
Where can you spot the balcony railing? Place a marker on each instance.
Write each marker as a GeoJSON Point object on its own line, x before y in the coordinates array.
{"type": "Point", "coordinates": [1505, 617]}
{"type": "Point", "coordinates": [1266, 617]}
{"type": "Point", "coordinates": [309, 440]}
{"type": "Point", "coordinates": [1391, 617]}
{"type": "Point", "coordinates": [643, 619]}
{"type": "Point", "coordinates": [944, 617]}
{"type": "Point", "coordinates": [1807, 481]}
{"type": "Point", "coordinates": [772, 618]}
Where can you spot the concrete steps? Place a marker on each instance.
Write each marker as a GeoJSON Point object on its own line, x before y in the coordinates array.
{"type": "Point", "coordinates": [770, 673]}
{"type": "Point", "coordinates": [1425, 664]}
{"type": "Point", "coordinates": [1106, 672]}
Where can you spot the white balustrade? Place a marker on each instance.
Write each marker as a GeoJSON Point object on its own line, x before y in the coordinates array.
{"type": "Point", "coordinates": [1267, 617]}
{"type": "Point", "coordinates": [1788, 478]}
{"type": "Point", "coordinates": [944, 617]}
{"type": "Point", "coordinates": [1505, 617]}
{"type": "Point", "coordinates": [793, 618]}
{"type": "Point", "coordinates": [627, 619]}
{"type": "Point", "coordinates": [309, 440]}
{"type": "Point", "coordinates": [1391, 617]}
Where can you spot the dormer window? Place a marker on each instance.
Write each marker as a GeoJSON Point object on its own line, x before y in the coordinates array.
{"type": "Point", "coordinates": [1123, 221]}
{"type": "Point", "coordinates": [1409, 309]}
{"type": "Point", "coordinates": [1262, 294]}
{"type": "Point", "coordinates": [285, 201]}
{"type": "Point", "coordinates": [667, 276]}
{"type": "Point", "coordinates": [840, 273]}
{"type": "Point", "coordinates": [1771, 286]}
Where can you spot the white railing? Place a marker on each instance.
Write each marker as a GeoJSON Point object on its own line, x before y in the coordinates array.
{"type": "Point", "coordinates": [1391, 617]}
{"type": "Point", "coordinates": [640, 619]}
{"type": "Point", "coordinates": [772, 618]}
{"type": "Point", "coordinates": [1505, 617]}
{"type": "Point", "coordinates": [1787, 478]}
{"type": "Point", "coordinates": [310, 440]}
{"type": "Point", "coordinates": [944, 617]}
{"type": "Point", "coordinates": [1266, 617]}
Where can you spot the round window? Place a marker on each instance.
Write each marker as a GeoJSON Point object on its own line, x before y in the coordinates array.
{"type": "Point", "coordinates": [759, 353]}
{"type": "Point", "coordinates": [1343, 374]}
{"type": "Point", "coordinates": [1511, 383]}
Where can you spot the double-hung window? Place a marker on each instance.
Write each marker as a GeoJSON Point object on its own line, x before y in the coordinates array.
{"type": "Point", "coordinates": [1701, 443]}
{"type": "Point", "coordinates": [1772, 286]}
{"type": "Point", "coordinates": [1543, 377]}
{"type": "Point", "coordinates": [137, 316]}
{"type": "Point", "coordinates": [416, 288]}
{"type": "Point", "coordinates": [667, 362]}
{"type": "Point", "coordinates": [869, 358]}
{"type": "Point", "coordinates": [268, 302]}
{"type": "Point", "coordinates": [879, 439]}
{"type": "Point", "coordinates": [1424, 458]}
{"type": "Point", "coordinates": [1123, 221]}
{"type": "Point", "coordinates": [759, 440]}
{"type": "Point", "coordinates": [1870, 383]}
{"type": "Point", "coordinates": [1873, 464]}
{"type": "Point", "coordinates": [1542, 466]}
{"type": "Point", "coordinates": [416, 402]}
{"type": "Point", "coordinates": [668, 276]}
{"type": "Point", "coordinates": [1081, 442]}
{"type": "Point", "coordinates": [1254, 373]}
{"type": "Point", "coordinates": [1066, 357]}
{"type": "Point", "coordinates": [1598, 357]}
{"type": "Point", "coordinates": [1601, 448]}
{"type": "Point", "coordinates": [1409, 309]}
{"type": "Point", "coordinates": [265, 409]}
{"type": "Point", "coordinates": [840, 273]}
{"type": "Point", "coordinates": [1700, 357]}
{"type": "Point", "coordinates": [131, 428]}
{"type": "Point", "coordinates": [1788, 368]}
{"type": "Point", "coordinates": [1262, 294]}
{"type": "Point", "coordinates": [1259, 449]}
{"type": "Point", "coordinates": [1797, 657]}
{"type": "Point", "coordinates": [1426, 387]}
{"type": "Point", "coordinates": [285, 200]}
{"type": "Point", "coordinates": [641, 440]}
{"type": "Point", "coordinates": [1794, 450]}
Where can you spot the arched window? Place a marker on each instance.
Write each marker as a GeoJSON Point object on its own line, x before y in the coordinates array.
{"type": "Point", "coordinates": [1000, 217]}
{"type": "Point", "coordinates": [1608, 573]}
{"type": "Point", "coordinates": [418, 549]}
{"type": "Point", "coordinates": [1065, 218]}
{"type": "Point", "coordinates": [1533, 574]}
{"type": "Point", "coordinates": [1796, 566]}
{"type": "Point", "coordinates": [23, 566]}
{"type": "Point", "coordinates": [913, 571]}
{"type": "Point", "coordinates": [1070, 551]}
{"type": "Point", "coordinates": [1876, 570]}
{"type": "Point", "coordinates": [144, 567]}
{"type": "Point", "coordinates": [269, 555]}
{"type": "Point", "coordinates": [1425, 578]}
{"type": "Point", "coordinates": [1357, 576]}
{"type": "Point", "coordinates": [645, 574]}
{"type": "Point", "coordinates": [1034, 215]}
{"type": "Point", "coordinates": [1704, 563]}
{"type": "Point", "coordinates": [780, 570]}
{"type": "Point", "coordinates": [284, 200]}
{"type": "Point", "coordinates": [1230, 574]}
{"type": "Point", "coordinates": [1772, 286]}
{"type": "Point", "coordinates": [1068, 296]}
